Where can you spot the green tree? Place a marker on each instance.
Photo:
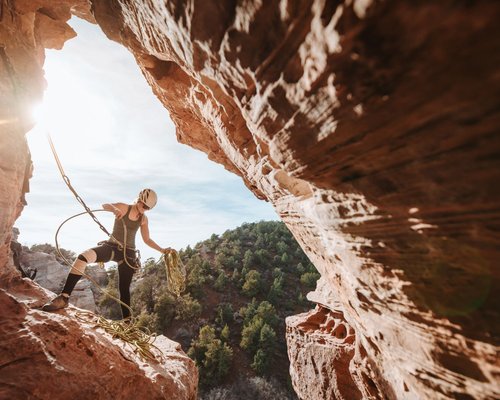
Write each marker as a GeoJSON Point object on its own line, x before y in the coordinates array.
{"type": "Point", "coordinates": [309, 279]}
{"type": "Point", "coordinates": [259, 243]}
{"type": "Point", "coordinates": [221, 281]}
{"type": "Point", "coordinates": [285, 259]}
{"type": "Point", "coordinates": [196, 276]}
{"type": "Point", "coordinates": [206, 267]}
{"type": "Point", "coordinates": [248, 259]}
{"type": "Point", "coordinates": [276, 290]}
{"type": "Point", "coordinates": [188, 252]}
{"type": "Point", "coordinates": [218, 359]}
{"type": "Point", "coordinates": [144, 298]}
{"type": "Point", "coordinates": [267, 339]}
{"type": "Point", "coordinates": [224, 314]}
{"type": "Point", "coordinates": [281, 247]}
{"type": "Point", "coordinates": [244, 272]}
{"type": "Point", "coordinates": [221, 260]}
{"type": "Point", "coordinates": [150, 266]}
{"type": "Point", "coordinates": [259, 339]}
{"type": "Point", "coordinates": [310, 267]}
{"type": "Point", "coordinates": [213, 242]}
{"type": "Point", "coordinates": [302, 300]}
{"type": "Point", "coordinates": [250, 335]}
{"type": "Point", "coordinates": [187, 308]}
{"type": "Point", "coordinates": [225, 334]}
{"type": "Point", "coordinates": [230, 262]}
{"type": "Point", "coordinates": [277, 272]}
{"type": "Point", "coordinates": [109, 307]}
{"type": "Point", "coordinates": [249, 311]}
{"type": "Point", "coordinates": [165, 310]}
{"type": "Point", "coordinates": [300, 269]}
{"type": "Point", "coordinates": [253, 283]}
{"type": "Point", "coordinates": [199, 346]}
{"type": "Point", "coordinates": [267, 312]}
{"type": "Point", "coordinates": [149, 321]}
{"type": "Point", "coordinates": [260, 362]}
{"type": "Point", "coordinates": [212, 356]}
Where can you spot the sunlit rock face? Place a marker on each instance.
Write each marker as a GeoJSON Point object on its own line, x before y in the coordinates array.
{"type": "Point", "coordinates": [323, 346]}
{"type": "Point", "coordinates": [63, 355]}
{"type": "Point", "coordinates": [56, 355]}
{"type": "Point", "coordinates": [371, 126]}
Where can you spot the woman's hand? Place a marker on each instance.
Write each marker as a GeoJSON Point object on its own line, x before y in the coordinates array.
{"type": "Point", "coordinates": [118, 213]}
{"type": "Point", "coordinates": [168, 250]}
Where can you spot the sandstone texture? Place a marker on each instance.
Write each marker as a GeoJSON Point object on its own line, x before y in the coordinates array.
{"type": "Point", "coordinates": [56, 355]}
{"type": "Point", "coordinates": [371, 126]}
{"type": "Point", "coordinates": [64, 356]}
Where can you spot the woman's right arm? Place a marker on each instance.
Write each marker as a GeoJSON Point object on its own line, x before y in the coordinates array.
{"type": "Point", "coordinates": [116, 208]}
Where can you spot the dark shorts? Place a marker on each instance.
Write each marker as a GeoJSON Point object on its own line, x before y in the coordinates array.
{"type": "Point", "coordinates": [108, 251]}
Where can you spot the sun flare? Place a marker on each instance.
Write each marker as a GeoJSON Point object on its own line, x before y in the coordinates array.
{"type": "Point", "coordinates": [72, 109]}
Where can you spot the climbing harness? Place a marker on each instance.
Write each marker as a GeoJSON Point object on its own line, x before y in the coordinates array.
{"type": "Point", "coordinates": [128, 330]}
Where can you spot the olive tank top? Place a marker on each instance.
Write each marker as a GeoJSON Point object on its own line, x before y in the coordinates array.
{"type": "Point", "coordinates": [132, 228]}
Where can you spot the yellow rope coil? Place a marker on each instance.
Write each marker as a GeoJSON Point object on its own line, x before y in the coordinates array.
{"type": "Point", "coordinates": [176, 273]}
{"type": "Point", "coordinates": [139, 338]}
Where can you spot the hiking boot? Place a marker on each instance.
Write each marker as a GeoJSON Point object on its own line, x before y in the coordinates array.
{"type": "Point", "coordinates": [57, 303]}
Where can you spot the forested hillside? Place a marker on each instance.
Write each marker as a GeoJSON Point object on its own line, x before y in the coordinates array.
{"type": "Point", "coordinates": [231, 319]}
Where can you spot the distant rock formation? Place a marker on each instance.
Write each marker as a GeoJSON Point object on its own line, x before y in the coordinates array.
{"type": "Point", "coordinates": [51, 275]}
{"type": "Point", "coordinates": [371, 126]}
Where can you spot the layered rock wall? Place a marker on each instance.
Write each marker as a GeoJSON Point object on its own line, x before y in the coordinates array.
{"type": "Point", "coordinates": [62, 355]}
{"type": "Point", "coordinates": [371, 127]}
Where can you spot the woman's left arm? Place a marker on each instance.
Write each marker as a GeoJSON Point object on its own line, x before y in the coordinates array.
{"type": "Point", "coordinates": [147, 239]}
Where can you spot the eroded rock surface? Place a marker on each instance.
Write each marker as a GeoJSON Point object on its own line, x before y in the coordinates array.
{"type": "Point", "coordinates": [56, 355]}
{"type": "Point", "coordinates": [322, 343]}
{"type": "Point", "coordinates": [63, 355]}
{"type": "Point", "coordinates": [371, 127]}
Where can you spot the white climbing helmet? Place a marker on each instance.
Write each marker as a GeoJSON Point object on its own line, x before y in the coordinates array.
{"type": "Point", "coordinates": [148, 197]}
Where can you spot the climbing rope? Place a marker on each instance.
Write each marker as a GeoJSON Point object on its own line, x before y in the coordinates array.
{"type": "Point", "coordinates": [176, 273]}
{"type": "Point", "coordinates": [141, 340]}
{"type": "Point", "coordinates": [70, 187]}
{"type": "Point", "coordinates": [129, 330]}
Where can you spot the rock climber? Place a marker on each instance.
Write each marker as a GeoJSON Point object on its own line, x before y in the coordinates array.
{"type": "Point", "coordinates": [128, 219]}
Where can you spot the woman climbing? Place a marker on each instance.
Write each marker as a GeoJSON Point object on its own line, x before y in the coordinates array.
{"type": "Point", "coordinates": [119, 248]}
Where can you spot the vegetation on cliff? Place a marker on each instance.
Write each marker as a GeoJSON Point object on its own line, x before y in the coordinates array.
{"type": "Point", "coordinates": [241, 286]}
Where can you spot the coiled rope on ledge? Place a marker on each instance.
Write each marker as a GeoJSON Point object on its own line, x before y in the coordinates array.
{"type": "Point", "coordinates": [129, 330]}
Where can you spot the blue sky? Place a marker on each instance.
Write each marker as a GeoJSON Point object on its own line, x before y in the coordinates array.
{"type": "Point", "coordinates": [114, 138]}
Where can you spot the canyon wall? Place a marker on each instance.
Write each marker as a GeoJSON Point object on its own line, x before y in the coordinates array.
{"type": "Point", "coordinates": [57, 355]}
{"type": "Point", "coordinates": [371, 126]}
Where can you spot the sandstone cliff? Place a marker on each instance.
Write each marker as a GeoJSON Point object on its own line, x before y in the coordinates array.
{"type": "Point", "coordinates": [371, 127]}
{"type": "Point", "coordinates": [42, 355]}
{"type": "Point", "coordinates": [57, 355]}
